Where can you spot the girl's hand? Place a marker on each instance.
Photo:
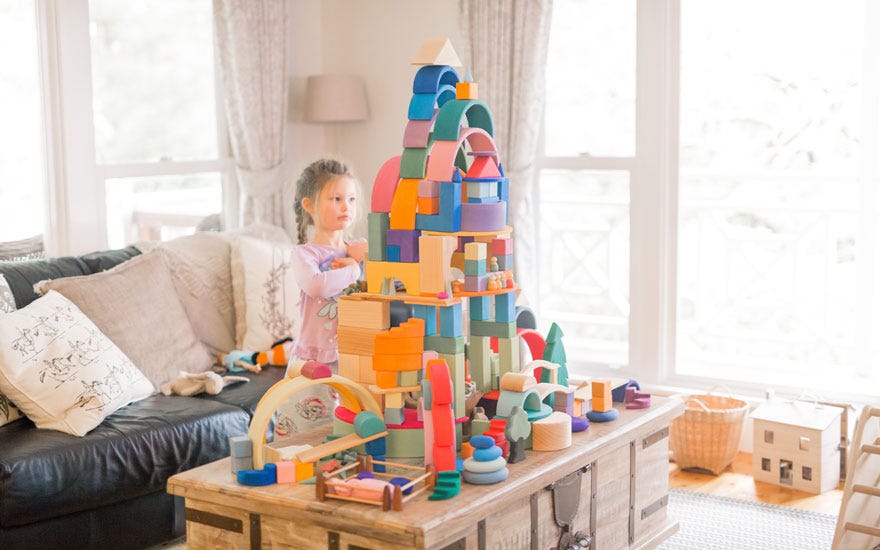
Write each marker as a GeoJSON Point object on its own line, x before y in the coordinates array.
{"type": "Point", "coordinates": [342, 262]}
{"type": "Point", "coordinates": [357, 251]}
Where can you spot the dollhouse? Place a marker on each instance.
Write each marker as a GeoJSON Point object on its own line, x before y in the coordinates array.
{"type": "Point", "coordinates": [796, 445]}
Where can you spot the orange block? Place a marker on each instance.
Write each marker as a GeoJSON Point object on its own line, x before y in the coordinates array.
{"type": "Point", "coordinates": [398, 363]}
{"type": "Point", "coordinates": [467, 450]}
{"type": "Point", "coordinates": [304, 470]}
{"type": "Point", "coordinates": [429, 205]}
{"type": "Point", "coordinates": [403, 205]}
{"type": "Point", "coordinates": [602, 389]}
{"type": "Point", "coordinates": [465, 90]}
{"type": "Point", "coordinates": [386, 379]}
{"type": "Point", "coordinates": [387, 344]}
{"type": "Point", "coordinates": [600, 404]}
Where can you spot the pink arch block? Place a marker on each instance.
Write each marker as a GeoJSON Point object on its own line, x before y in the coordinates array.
{"type": "Point", "coordinates": [441, 163]}
{"type": "Point", "coordinates": [385, 185]}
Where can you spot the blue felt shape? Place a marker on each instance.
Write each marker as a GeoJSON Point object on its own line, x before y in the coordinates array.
{"type": "Point", "coordinates": [481, 442]}
{"type": "Point", "coordinates": [487, 478]}
{"type": "Point", "coordinates": [607, 416]}
{"type": "Point", "coordinates": [401, 481]}
{"type": "Point", "coordinates": [485, 455]}
{"type": "Point", "coordinates": [256, 478]}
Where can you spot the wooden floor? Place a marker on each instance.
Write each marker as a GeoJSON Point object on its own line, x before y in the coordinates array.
{"type": "Point", "coordinates": [737, 482]}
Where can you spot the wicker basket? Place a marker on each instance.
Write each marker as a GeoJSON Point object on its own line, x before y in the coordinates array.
{"type": "Point", "coordinates": [707, 435]}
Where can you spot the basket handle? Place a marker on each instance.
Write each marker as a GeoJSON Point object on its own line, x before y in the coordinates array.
{"type": "Point", "coordinates": [721, 386]}
{"type": "Point", "coordinates": [698, 402]}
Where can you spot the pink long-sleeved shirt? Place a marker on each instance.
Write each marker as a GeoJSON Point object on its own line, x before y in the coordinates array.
{"type": "Point", "coordinates": [320, 288]}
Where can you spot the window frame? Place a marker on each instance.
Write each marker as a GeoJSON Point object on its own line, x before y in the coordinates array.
{"type": "Point", "coordinates": [74, 182]}
{"type": "Point", "coordinates": [654, 208]}
{"type": "Point", "coordinates": [653, 172]}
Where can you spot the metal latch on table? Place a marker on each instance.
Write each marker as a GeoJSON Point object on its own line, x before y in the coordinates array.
{"type": "Point", "coordinates": [566, 502]}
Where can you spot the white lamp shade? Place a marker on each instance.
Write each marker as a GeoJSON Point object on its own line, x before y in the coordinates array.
{"type": "Point", "coordinates": [335, 98]}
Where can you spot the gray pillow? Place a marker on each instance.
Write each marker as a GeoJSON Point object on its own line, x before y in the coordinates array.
{"type": "Point", "coordinates": [135, 305]}
{"type": "Point", "coordinates": [199, 266]}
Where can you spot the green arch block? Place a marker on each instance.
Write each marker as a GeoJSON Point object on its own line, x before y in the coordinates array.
{"type": "Point", "coordinates": [449, 119]}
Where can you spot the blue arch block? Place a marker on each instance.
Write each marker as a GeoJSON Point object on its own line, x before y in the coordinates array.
{"type": "Point", "coordinates": [421, 106]}
{"type": "Point", "coordinates": [430, 78]}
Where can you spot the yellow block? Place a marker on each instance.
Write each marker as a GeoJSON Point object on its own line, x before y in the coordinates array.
{"type": "Point", "coordinates": [407, 273]}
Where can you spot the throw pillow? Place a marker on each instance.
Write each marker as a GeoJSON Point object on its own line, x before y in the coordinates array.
{"type": "Point", "coordinates": [61, 370]}
{"type": "Point", "coordinates": [8, 411]}
{"type": "Point", "coordinates": [199, 265]}
{"type": "Point", "coordinates": [265, 292]}
{"type": "Point", "coordinates": [136, 306]}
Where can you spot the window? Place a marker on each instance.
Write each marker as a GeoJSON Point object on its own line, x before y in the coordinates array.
{"type": "Point", "coordinates": [807, 473]}
{"type": "Point", "coordinates": [804, 443]}
{"type": "Point", "coordinates": [768, 436]}
{"type": "Point", "coordinates": [158, 146]}
{"type": "Point", "coordinates": [135, 139]}
{"type": "Point", "coordinates": [584, 218]}
{"type": "Point", "coordinates": [726, 191]}
{"type": "Point", "coordinates": [765, 464]}
{"type": "Point", "coordinates": [21, 170]}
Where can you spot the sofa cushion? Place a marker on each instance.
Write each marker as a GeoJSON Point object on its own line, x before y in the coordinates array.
{"type": "Point", "coordinates": [21, 276]}
{"type": "Point", "coordinates": [265, 291]}
{"type": "Point", "coordinates": [199, 265]}
{"type": "Point", "coordinates": [60, 370]}
{"type": "Point", "coordinates": [46, 474]}
{"type": "Point", "coordinates": [136, 306]}
{"type": "Point", "coordinates": [246, 396]}
{"type": "Point", "coordinates": [107, 259]}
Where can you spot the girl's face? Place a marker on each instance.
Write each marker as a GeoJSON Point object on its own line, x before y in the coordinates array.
{"type": "Point", "coordinates": [335, 207]}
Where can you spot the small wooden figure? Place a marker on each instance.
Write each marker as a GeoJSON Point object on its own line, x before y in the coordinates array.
{"type": "Point", "coordinates": [517, 430]}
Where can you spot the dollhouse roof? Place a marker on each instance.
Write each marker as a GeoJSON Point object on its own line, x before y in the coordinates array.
{"type": "Point", "coordinates": [797, 413]}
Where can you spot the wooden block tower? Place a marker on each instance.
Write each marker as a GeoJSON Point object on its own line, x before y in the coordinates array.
{"type": "Point", "coordinates": [439, 209]}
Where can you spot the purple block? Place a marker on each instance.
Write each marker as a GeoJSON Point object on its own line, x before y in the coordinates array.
{"type": "Point", "coordinates": [408, 242]}
{"type": "Point", "coordinates": [483, 217]}
{"type": "Point", "coordinates": [579, 424]}
{"type": "Point", "coordinates": [476, 283]}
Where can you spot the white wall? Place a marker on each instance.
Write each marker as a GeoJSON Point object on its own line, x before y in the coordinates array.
{"type": "Point", "coordinates": [375, 40]}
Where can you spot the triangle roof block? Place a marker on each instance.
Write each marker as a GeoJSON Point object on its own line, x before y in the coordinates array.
{"type": "Point", "coordinates": [437, 51]}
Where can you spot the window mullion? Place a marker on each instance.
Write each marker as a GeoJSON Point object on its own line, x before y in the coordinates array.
{"type": "Point", "coordinates": [75, 193]}
{"type": "Point", "coordinates": [653, 191]}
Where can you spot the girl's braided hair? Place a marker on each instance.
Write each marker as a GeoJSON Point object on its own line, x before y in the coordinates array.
{"type": "Point", "coordinates": [309, 184]}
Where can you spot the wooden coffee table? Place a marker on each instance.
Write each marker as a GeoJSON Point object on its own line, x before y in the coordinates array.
{"type": "Point", "coordinates": [611, 485]}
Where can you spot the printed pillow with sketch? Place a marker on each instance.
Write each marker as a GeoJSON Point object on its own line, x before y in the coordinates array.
{"type": "Point", "coordinates": [61, 371]}
{"type": "Point", "coordinates": [265, 292]}
{"type": "Point", "coordinates": [135, 304]}
{"type": "Point", "coordinates": [8, 411]}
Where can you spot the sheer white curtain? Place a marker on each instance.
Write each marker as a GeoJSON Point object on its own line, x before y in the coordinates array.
{"type": "Point", "coordinates": [508, 51]}
{"type": "Point", "coordinates": [251, 49]}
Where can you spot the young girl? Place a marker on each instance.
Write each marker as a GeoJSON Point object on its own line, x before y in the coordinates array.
{"type": "Point", "coordinates": [324, 266]}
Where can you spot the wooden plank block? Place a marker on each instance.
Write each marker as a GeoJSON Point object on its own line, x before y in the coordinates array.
{"type": "Point", "coordinates": [337, 445]}
{"type": "Point", "coordinates": [357, 340]}
{"type": "Point", "coordinates": [356, 311]}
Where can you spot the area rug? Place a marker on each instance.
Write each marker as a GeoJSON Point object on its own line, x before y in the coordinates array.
{"type": "Point", "coordinates": [708, 522]}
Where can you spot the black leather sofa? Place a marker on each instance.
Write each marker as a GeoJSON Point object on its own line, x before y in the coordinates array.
{"type": "Point", "coordinates": [107, 489]}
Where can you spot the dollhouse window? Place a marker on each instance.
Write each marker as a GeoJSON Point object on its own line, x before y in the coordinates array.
{"type": "Point", "coordinates": [768, 436]}
{"type": "Point", "coordinates": [805, 444]}
{"type": "Point", "coordinates": [765, 464]}
{"type": "Point", "coordinates": [807, 473]}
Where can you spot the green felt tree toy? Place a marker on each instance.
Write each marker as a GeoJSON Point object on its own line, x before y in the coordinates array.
{"type": "Point", "coordinates": [555, 353]}
{"type": "Point", "coordinates": [516, 431]}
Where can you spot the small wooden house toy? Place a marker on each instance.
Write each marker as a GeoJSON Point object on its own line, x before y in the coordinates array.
{"type": "Point", "coordinates": [796, 445]}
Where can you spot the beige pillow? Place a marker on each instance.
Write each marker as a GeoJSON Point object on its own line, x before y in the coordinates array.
{"type": "Point", "coordinates": [136, 306]}
{"type": "Point", "coordinates": [265, 292]}
{"type": "Point", "coordinates": [199, 265]}
{"type": "Point", "coordinates": [60, 370]}
{"type": "Point", "coordinates": [8, 411]}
